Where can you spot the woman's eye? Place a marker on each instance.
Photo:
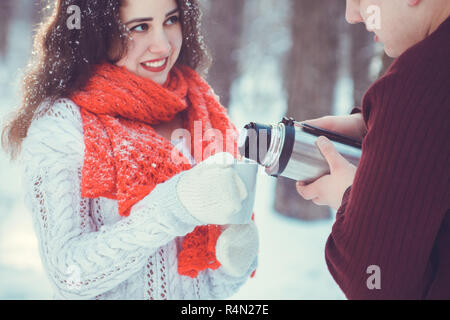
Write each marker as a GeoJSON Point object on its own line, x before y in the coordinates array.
{"type": "Point", "coordinates": [172, 20]}
{"type": "Point", "coordinates": [140, 28]}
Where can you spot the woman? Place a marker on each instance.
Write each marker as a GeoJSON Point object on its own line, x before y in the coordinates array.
{"type": "Point", "coordinates": [392, 230]}
{"type": "Point", "coordinates": [118, 209]}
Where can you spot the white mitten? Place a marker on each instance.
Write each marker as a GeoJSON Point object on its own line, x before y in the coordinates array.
{"type": "Point", "coordinates": [237, 247]}
{"type": "Point", "coordinates": [212, 191]}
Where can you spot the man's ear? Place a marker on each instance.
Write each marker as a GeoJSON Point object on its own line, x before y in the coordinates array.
{"type": "Point", "coordinates": [413, 3]}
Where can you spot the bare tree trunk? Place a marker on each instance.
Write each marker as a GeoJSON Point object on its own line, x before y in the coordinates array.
{"type": "Point", "coordinates": [386, 63]}
{"type": "Point", "coordinates": [311, 75]}
{"type": "Point", "coordinates": [223, 28]}
{"type": "Point", "coordinates": [5, 17]}
{"type": "Point", "coordinates": [362, 55]}
{"type": "Point", "coordinates": [36, 11]}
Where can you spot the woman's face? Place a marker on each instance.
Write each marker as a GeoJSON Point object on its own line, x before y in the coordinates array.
{"type": "Point", "coordinates": [396, 23]}
{"type": "Point", "coordinates": [156, 37]}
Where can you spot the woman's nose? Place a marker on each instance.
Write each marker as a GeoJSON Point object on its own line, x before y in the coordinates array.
{"type": "Point", "coordinates": [352, 12]}
{"type": "Point", "coordinates": [159, 42]}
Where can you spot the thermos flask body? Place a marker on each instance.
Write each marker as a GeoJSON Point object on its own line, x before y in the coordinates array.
{"type": "Point", "coordinates": [288, 149]}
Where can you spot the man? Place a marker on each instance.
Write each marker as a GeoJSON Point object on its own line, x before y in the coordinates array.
{"type": "Point", "coordinates": [391, 237]}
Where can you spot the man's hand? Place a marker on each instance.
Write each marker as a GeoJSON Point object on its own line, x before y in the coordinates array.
{"type": "Point", "coordinates": [351, 125]}
{"type": "Point", "coordinates": [329, 189]}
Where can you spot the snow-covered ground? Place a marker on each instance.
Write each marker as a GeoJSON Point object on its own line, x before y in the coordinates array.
{"type": "Point", "coordinates": [291, 259]}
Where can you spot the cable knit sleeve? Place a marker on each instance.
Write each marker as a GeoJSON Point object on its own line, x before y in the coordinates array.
{"type": "Point", "coordinates": [81, 261]}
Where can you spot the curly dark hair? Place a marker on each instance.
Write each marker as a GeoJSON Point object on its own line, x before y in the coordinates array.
{"type": "Point", "coordinates": [63, 58]}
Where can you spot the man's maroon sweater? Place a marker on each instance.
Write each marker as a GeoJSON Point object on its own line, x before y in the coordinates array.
{"type": "Point", "coordinates": [393, 228]}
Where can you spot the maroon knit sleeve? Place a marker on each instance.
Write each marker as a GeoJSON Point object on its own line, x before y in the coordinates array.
{"type": "Point", "coordinates": [391, 215]}
{"type": "Point", "coordinates": [355, 110]}
{"type": "Point", "coordinates": [344, 202]}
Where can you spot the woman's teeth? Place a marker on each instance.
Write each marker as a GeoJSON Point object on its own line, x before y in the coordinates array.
{"type": "Point", "coordinates": [155, 64]}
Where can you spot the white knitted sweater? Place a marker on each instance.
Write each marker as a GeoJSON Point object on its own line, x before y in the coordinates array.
{"type": "Point", "coordinates": [88, 250]}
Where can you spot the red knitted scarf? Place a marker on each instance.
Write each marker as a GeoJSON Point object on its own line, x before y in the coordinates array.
{"type": "Point", "coordinates": [124, 156]}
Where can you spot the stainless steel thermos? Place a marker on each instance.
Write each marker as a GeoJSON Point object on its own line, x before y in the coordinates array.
{"type": "Point", "coordinates": [288, 149]}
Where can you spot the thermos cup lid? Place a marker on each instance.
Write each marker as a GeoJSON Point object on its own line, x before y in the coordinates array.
{"type": "Point", "coordinates": [254, 141]}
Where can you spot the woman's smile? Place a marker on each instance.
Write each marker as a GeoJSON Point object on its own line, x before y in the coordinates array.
{"type": "Point", "coordinates": [157, 65]}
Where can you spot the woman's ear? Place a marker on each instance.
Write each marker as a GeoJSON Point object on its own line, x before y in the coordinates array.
{"type": "Point", "coordinates": [413, 3]}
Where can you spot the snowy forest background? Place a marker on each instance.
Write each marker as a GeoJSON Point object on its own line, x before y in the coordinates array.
{"type": "Point", "coordinates": [271, 58]}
